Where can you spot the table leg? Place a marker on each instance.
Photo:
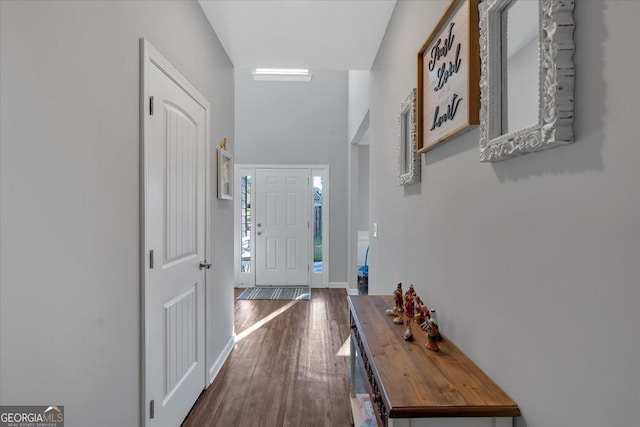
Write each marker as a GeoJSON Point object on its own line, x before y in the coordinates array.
{"type": "Point", "coordinates": [352, 357]}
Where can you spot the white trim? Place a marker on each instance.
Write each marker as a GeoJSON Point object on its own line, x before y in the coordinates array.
{"type": "Point", "coordinates": [244, 280]}
{"type": "Point", "coordinates": [279, 166]}
{"type": "Point", "coordinates": [215, 368]}
{"type": "Point", "coordinates": [149, 55]}
{"type": "Point", "coordinates": [343, 285]}
{"type": "Point", "coordinates": [247, 280]}
{"type": "Point", "coordinates": [321, 278]}
{"type": "Point", "coordinates": [339, 285]}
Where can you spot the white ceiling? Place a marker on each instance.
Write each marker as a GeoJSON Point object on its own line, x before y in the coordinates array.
{"type": "Point", "coordinates": [314, 34]}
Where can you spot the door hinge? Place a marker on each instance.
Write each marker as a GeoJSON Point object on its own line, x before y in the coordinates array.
{"type": "Point", "coordinates": [308, 269]}
{"type": "Point", "coordinates": [151, 105]}
{"type": "Point", "coordinates": [152, 409]}
{"type": "Point", "coordinates": [151, 258]}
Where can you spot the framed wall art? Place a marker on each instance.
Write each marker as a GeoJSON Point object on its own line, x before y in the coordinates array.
{"type": "Point", "coordinates": [408, 158]}
{"type": "Point", "coordinates": [225, 175]}
{"type": "Point", "coordinates": [527, 77]}
{"type": "Point", "coordinates": [449, 76]}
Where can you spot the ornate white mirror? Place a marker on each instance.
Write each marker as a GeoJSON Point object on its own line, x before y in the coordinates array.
{"type": "Point", "coordinates": [408, 159]}
{"type": "Point", "coordinates": [526, 76]}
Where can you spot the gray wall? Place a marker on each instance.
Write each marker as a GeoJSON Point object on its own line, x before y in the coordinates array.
{"type": "Point", "coordinates": [69, 329]}
{"type": "Point", "coordinates": [532, 263]}
{"type": "Point", "coordinates": [359, 101]}
{"type": "Point", "coordinates": [299, 123]}
{"type": "Point", "coordinates": [363, 188]}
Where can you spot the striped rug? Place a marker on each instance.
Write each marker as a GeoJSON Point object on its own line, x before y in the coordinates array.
{"type": "Point", "coordinates": [282, 293]}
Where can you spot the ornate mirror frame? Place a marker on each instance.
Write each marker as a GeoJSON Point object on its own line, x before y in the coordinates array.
{"type": "Point", "coordinates": [556, 79]}
{"type": "Point", "coordinates": [408, 157]}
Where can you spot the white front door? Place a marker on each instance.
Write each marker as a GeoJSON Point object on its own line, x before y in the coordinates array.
{"type": "Point", "coordinates": [175, 228]}
{"type": "Point", "coordinates": [282, 227]}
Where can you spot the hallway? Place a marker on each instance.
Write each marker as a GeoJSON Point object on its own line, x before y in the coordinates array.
{"type": "Point", "coordinates": [289, 366]}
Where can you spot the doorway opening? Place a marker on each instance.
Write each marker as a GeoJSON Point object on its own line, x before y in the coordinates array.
{"type": "Point", "coordinates": [260, 244]}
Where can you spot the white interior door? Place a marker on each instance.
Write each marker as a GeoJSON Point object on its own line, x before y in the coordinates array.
{"type": "Point", "coordinates": [282, 227]}
{"type": "Point", "coordinates": [175, 137]}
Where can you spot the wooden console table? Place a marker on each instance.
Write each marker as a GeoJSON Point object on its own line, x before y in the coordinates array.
{"type": "Point", "coordinates": [412, 386]}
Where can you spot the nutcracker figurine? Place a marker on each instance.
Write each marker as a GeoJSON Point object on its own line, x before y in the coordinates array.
{"type": "Point", "coordinates": [409, 298]}
{"type": "Point", "coordinates": [432, 335]}
{"type": "Point", "coordinates": [397, 296]}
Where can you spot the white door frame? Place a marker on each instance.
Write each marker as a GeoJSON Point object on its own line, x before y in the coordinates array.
{"type": "Point", "coordinates": [149, 55]}
{"type": "Point", "coordinates": [249, 279]}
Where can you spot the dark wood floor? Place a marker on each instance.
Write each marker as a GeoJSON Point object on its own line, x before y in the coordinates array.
{"type": "Point", "coordinates": [290, 370]}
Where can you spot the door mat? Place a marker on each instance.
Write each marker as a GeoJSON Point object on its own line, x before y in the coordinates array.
{"type": "Point", "coordinates": [273, 293]}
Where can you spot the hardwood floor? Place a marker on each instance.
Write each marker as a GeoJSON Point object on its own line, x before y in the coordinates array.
{"type": "Point", "coordinates": [289, 366]}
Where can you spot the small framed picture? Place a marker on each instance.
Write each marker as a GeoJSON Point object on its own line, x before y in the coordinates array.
{"type": "Point", "coordinates": [225, 175]}
{"type": "Point", "coordinates": [408, 158]}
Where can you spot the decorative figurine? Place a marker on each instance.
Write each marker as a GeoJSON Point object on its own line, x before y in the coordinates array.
{"type": "Point", "coordinates": [427, 316]}
{"type": "Point", "coordinates": [408, 334]}
{"type": "Point", "coordinates": [411, 290]}
{"type": "Point", "coordinates": [409, 297]}
{"type": "Point", "coordinates": [398, 320]}
{"type": "Point", "coordinates": [393, 311]}
{"type": "Point", "coordinates": [432, 335]}
{"type": "Point", "coordinates": [397, 295]}
{"type": "Point", "coordinates": [418, 306]}
{"type": "Point", "coordinates": [432, 316]}
{"type": "Point", "coordinates": [408, 305]}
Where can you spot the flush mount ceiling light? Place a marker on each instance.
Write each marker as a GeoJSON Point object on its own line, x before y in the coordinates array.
{"type": "Point", "coordinates": [282, 74]}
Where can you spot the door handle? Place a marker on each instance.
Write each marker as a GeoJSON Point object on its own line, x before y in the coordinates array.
{"type": "Point", "coordinates": [204, 265]}
{"type": "Point", "coordinates": [259, 233]}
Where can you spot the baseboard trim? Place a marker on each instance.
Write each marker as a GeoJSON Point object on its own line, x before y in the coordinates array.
{"type": "Point", "coordinates": [217, 365]}
{"type": "Point", "coordinates": [343, 285]}
{"type": "Point", "coordinates": [339, 285]}
{"type": "Point", "coordinates": [332, 285]}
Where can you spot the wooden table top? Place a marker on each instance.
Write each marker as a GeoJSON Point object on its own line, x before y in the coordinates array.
{"type": "Point", "coordinates": [416, 382]}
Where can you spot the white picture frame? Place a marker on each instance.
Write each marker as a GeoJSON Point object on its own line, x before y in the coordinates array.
{"type": "Point", "coordinates": [225, 175]}
{"type": "Point", "coordinates": [555, 112]}
{"type": "Point", "coordinates": [408, 157]}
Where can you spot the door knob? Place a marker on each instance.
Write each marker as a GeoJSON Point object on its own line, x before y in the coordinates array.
{"type": "Point", "coordinates": [204, 265]}
{"type": "Point", "coordinates": [259, 233]}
